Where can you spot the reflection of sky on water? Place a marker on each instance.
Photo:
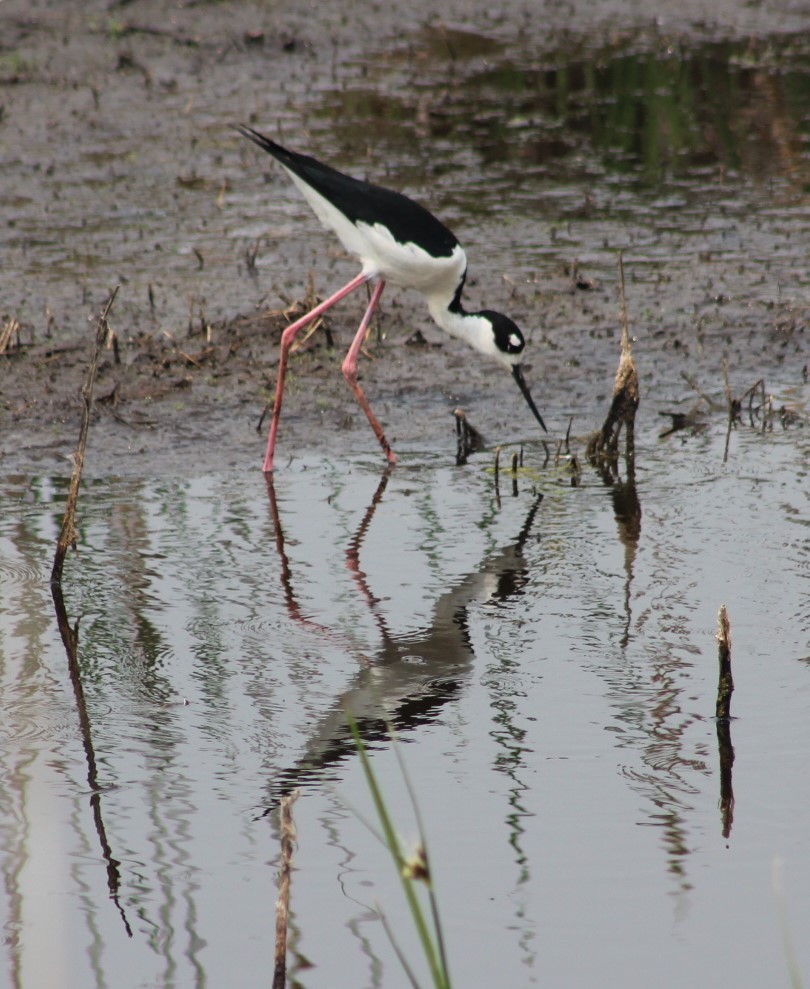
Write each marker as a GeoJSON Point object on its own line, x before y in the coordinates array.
{"type": "Point", "coordinates": [566, 743]}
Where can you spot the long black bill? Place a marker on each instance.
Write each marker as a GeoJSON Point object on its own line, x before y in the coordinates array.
{"type": "Point", "coordinates": [517, 374]}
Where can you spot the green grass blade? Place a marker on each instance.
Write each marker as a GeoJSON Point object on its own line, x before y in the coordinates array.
{"type": "Point", "coordinates": [434, 958]}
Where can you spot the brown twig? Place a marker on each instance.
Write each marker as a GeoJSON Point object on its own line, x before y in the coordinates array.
{"type": "Point", "coordinates": [67, 537]}
{"type": "Point", "coordinates": [693, 384]}
{"type": "Point", "coordinates": [468, 439]}
{"type": "Point", "coordinates": [70, 634]}
{"type": "Point", "coordinates": [283, 903]}
{"type": "Point", "coordinates": [307, 304]}
{"type": "Point", "coordinates": [725, 684]}
{"type": "Point", "coordinates": [251, 253]}
{"type": "Point", "coordinates": [725, 688]}
{"type": "Point", "coordinates": [186, 357]}
{"type": "Point", "coordinates": [625, 396]}
{"type": "Point", "coordinates": [514, 472]}
{"type": "Point", "coordinates": [313, 327]}
{"type": "Point", "coordinates": [7, 331]}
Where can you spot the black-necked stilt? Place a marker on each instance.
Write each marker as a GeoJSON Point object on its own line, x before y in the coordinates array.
{"type": "Point", "coordinates": [397, 241]}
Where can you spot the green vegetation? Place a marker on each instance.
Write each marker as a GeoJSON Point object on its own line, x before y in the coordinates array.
{"type": "Point", "coordinates": [413, 869]}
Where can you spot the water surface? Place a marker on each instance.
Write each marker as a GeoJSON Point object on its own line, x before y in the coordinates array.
{"type": "Point", "coordinates": [547, 655]}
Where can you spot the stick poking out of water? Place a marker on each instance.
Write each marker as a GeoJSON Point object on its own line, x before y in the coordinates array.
{"type": "Point", "coordinates": [725, 688]}
{"type": "Point", "coordinates": [625, 395]}
{"type": "Point", "coordinates": [725, 683]}
{"type": "Point", "coordinates": [283, 902]}
{"type": "Point", "coordinates": [67, 537]}
{"type": "Point", "coordinates": [468, 439]}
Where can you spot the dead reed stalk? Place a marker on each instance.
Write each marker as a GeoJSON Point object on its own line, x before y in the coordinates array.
{"type": "Point", "coordinates": [625, 395]}
{"type": "Point", "coordinates": [725, 687]}
{"type": "Point", "coordinates": [67, 537]}
{"type": "Point", "coordinates": [9, 330]}
{"type": "Point", "coordinates": [725, 683]}
{"type": "Point", "coordinates": [283, 902]}
{"type": "Point", "coordinates": [468, 439]}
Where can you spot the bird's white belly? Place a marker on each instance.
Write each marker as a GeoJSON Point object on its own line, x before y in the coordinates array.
{"type": "Point", "coordinates": [409, 265]}
{"type": "Point", "coordinates": [406, 265]}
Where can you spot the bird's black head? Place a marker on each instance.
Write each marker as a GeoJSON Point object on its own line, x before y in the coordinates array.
{"type": "Point", "coordinates": [508, 338]}
{"type": "Point", "coordinates": [509, 345]}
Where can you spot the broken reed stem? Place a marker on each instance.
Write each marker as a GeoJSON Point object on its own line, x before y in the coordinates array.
{"type": "Point", "coordinates": [725, 684]}
{"type": "Point", "coordinates": [625, 344]}
{"type": "Point", "coordinates": [497, 476]}
{"type": "Point", "coordinates": [9, 329]}
{"type": "Point", "coordinates": [283, 902]}
{"type": "Point", "coordinates": [626, 386]}
{"type": "Point", "coordinates": [67, 537]}
{"type": "Point", "coordinates": [625, 395]}
{"type": "Point", "coordinates": [725, 688]}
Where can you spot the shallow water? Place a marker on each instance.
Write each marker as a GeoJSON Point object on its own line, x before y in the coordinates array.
{"type": "Point", "coordinates": [547, 655]}
{"type": "Point", "coordinates": [545, 650]}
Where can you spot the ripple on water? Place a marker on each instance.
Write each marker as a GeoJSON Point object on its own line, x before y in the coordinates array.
{"type": "Point", "coordinates": [21, 573]}
{"type": "Point", "coordinates": [35, 716]}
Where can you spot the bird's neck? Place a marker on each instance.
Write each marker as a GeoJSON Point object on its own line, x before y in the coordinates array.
{"type": "Point", "coordinates": [473, 328]}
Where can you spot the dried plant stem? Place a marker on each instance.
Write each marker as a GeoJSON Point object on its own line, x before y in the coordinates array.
{"type": "Point", "coordinates": [725, 685]}
{"type": "Point", "coordinates": [283, 902]}
{"type": "Point", "coordinates": [625, 395]}
{"type": "Point", "coordinates": [725, 688]}
{"type": "Point", "coordinates": [67, 537]}
{"type": "Point", "coordinates": [8, 330]}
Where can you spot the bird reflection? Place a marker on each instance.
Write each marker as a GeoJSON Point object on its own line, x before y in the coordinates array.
{"type": "Point", "coordinates": [411, 676]}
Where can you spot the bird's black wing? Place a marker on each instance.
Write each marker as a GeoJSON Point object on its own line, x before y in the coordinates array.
{"type": "Point", "coordinates": [408, 221]}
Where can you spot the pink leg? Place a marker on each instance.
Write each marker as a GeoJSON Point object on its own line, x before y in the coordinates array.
{"type": "Point", "coordinates": [287, 338]}
{"type": "Point", "coordinates": [349, 369]}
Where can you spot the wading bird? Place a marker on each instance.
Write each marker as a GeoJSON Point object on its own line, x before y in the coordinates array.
{"type": "Point", "coordinates": [397, 241]}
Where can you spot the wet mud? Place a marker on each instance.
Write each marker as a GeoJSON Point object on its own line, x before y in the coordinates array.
{"type": "Point", "coordinates": [547, 147]}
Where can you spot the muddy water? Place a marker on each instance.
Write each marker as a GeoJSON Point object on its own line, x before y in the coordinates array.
{"type": "Point", "coordinates": [545, 650]}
